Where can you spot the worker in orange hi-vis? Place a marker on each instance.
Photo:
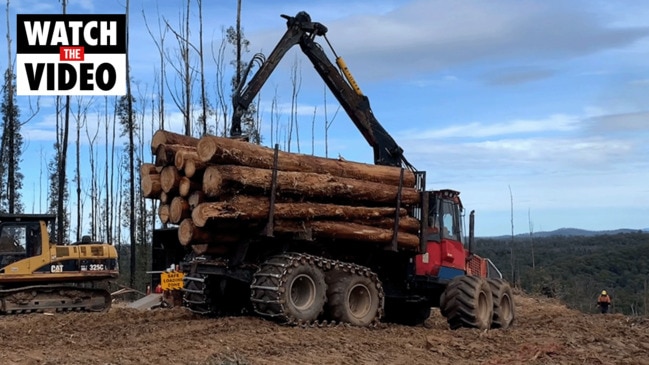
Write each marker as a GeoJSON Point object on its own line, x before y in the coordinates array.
{"type": "Point", "coordinates": [604, 301]}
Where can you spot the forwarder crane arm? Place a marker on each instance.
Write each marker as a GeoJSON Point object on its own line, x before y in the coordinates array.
{"type": "Point", "coordinates": [302, 31]}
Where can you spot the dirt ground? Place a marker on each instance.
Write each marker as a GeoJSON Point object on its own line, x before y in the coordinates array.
{"type": "Point", "coordinates": [545, 332]}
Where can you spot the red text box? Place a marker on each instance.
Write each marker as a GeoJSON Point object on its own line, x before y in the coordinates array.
{"type": "Point", "coordinates": [71, 54]}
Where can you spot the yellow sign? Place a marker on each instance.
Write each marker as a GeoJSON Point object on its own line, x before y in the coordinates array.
{"type": "Point", "coordinates": [171, 280]}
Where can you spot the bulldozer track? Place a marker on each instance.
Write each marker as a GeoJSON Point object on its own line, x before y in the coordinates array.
{"type": "Point", "coordinates": [43, 298]}
{"type": "Point", "coordinates": [269, 284]}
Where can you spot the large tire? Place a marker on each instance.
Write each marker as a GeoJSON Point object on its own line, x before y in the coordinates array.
{"type": "Point", "coordinates": [289, 288]}
{"type": "Point", "coordinates": [406, 313]}
{"type": "Point", "coordinates": [353, 299]}
{"type": "Point", "coordinates": [504, 313]}
{"type": "Point", "coordinates": [467, 302]}
{"type": "Point", "coordinates": [304, 293]}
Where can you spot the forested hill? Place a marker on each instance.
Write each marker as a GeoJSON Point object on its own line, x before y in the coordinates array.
{"type": "Point", "coordinates": [576, 269]}
{"type": "Point", "coordinates": [573, 232]}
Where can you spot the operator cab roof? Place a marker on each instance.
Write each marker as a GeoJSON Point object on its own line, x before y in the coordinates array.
{"type": "Point", "coordinates": [6, 217]}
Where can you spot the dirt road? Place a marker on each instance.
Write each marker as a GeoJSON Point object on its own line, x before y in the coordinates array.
{"type": "Point", "coordinates": [546, 332]}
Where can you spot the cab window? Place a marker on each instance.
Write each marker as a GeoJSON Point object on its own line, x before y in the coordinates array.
{"type": "Point", "coordinates": [450, 221]}
{"type": "Point", "coordinates": [12, 244]}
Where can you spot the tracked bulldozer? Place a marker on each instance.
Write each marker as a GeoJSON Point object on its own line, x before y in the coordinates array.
{"type": "Point", "coordinates": [37, 275]}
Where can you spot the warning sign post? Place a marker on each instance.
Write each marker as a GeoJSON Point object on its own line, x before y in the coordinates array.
{"type": "Point", "coordinates": [171, 280]}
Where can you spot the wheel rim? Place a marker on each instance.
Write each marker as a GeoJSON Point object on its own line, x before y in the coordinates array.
{"type": "Point", "coordinates": [506, 309]}
{"type": "Point", "coordinates": [483, 309]}
{"type": "Point", "coordinates": [302, 292]}
{"type": "Point", "coordinates": [359, 301]}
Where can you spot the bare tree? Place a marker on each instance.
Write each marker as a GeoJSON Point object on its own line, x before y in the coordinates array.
{"type": "Point", "coordinates": [12, 142]}
{"type": "Point", "coordinates": [274, 120]}
{"type": "Point", "coordinates": [114, 185]}
{"type": "Point", "coordinates": [531, 225]}
{"type": "Point", "coordinates": [238, 47]}
{"type": "Point", "coordinates": [109, 205]}
{"type": "Point", "coordinates": [77, 176]}
{"type": "Point", "coordinates": [160, 80]}
{"type": "Point", "coordinates": [58, 192]}
{"type": "Point", "coordinates": [183, 98]}
{"type": "Point", "coordinates": [222, 102]}
{"type": "Point", "coordinates": [187, 76]}
{"type": "Point", "coordinates": [80, 118]}
{"type": "Point", "coordinates": [61, 217]}
{"type": "Point", "coordinates": [327, 122]}
{"type": "Point", "coordinates": [296, 84]}
{"type": "Point", "coordinates": [129, 120]}
{"type": "Point", "coordinates": [95, 201]}
{"type": "Point", "coordinates": [236, 37]}
{"type": "Point", "coordinates": [315, 110]}
{"type": "Point", "coordinates": [201, 60]}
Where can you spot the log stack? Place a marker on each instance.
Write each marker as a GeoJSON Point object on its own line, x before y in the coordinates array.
{"type": "Point", "coordinates": [220, 191]}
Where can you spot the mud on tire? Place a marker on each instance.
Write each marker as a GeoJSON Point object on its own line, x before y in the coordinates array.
{"type": "Point", "coordinates": [353, 299]}
{"type": "Point", "coordinates": [504, 313]}
{"type": "Point", "coordinates": [467, 302]}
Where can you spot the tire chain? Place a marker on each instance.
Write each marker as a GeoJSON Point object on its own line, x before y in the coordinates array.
{"type": "Point", "coordinates": [198, 300]}
{"type": "Point", "coordinates": [268, 283]}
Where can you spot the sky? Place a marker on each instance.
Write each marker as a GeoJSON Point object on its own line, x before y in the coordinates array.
{"type": "Point", "coordinates": [536, 111]}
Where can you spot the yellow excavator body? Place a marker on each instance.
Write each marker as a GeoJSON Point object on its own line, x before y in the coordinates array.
{"type": "Point", "coordinates": [39, 275]}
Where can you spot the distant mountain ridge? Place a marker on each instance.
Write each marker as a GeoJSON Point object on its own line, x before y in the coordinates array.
{"type": "Point", "coordinates": [573, 232]}
{"type": "Point", "coordinates": [576, 268]}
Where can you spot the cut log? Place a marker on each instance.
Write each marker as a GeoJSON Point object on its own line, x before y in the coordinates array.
{"type": "Point", "coordinates": [205, 249]}
{"type": "Point", "coordinates": [406, 224]}
{"type": "Point", "coordinates": [358, 232]}
{"type": "Point", "coordinates": [342, 231]}
{"type": "Point", "coordinates": [170, 179]}
{"type": "Point", "coordinates": [166, 137]}
{"type": "Point", "coordinates": [148, 169]}
{"type": "Point", "coordinates": [224, 151]}
{"type": "Point", "coordinates": [195, 198]}
{"type": "Point", "coordinates": [181, 156]}
{"type": "Point", "coordinates": [257, 208]}
{"type": "Point", "coordinates": [303, 184]}
{"type": "Point", "coordinates": [165, 198]}
{"type": "Point", "coordinates": [163, 213]}
{"type": "Point", "coordinates": [186, 186]}
{"type": "Point", "coordinates": [166, 153]}
{"type": "Point", "coordinates": [193, 168]}
{"type": "Point", "coordinates": [189, 234]}
{"type": "Point", "coordinates": [178, 210]}
{"type": "Point", "coordinates": [151, 187]}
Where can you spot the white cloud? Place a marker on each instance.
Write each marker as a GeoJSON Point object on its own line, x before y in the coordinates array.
{"type": "Point", "coordinates": [426, 36]}
{"type": "Point", "coordinates": [554, 123]}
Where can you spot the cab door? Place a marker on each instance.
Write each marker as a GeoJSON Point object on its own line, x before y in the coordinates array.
{"type": "Point", "coordinates": [445, 255]}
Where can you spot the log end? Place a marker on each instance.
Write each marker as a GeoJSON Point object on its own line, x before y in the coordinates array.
{"type": "Point", "coordinates": [186, 232]}
{"type": "Point", "coordinates": [206, 148]}
{"type": "Point", "coordinates": [169, 179]}
{"type": "Point", "coordinates": [212, 182]}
